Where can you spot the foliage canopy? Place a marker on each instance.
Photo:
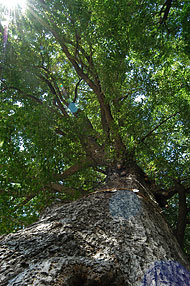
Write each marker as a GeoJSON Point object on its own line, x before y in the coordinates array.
{"type": "Point", "coordinates": [86, 83]}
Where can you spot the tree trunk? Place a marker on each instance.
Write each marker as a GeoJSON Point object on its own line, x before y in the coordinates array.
{"type": "Point", "coordinates": [115, 236]}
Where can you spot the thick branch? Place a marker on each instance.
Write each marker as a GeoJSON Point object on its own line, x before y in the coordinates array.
{"type": "Point", "coordinates": [75, 168]}
{"type": "Point", "coordinates": [107, 119]}
{"type": "Point", "coordinates": [165, 9]}
{"type": "Point", "coordinates": [94, 86]}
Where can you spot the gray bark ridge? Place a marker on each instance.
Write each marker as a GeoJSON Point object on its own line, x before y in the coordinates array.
{"type": "Point", "coordinates": [112, 237]}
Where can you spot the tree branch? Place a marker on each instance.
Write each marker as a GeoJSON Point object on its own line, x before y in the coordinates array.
{"type": "Point", "coordinates": [25, 94]}
{"type": "Point", "coordinates": [87, 126]}
{"type": "Point", "coordinates": [167, 6]}
{"type": "Point", "coordinates": [87, 162]}
{"type": "Point", "coordinates": [60, 105]}
{"type": "Point", "coordinates": [96, 87]}
{"type": "Point", "coordinates": [57, 130]}
{"type": "Point", "coordinates": [157, 126]}
{"type": "Point", "coordinates": [25, 201]}
{"type": "Point", "coordinates": [107, 119]}
{"type": "Point", "coordinates": [60, 132]}
{"type": "Point", "coordinates": [55, 87]}
{"type": "Point", "coordinates": [76, 89]}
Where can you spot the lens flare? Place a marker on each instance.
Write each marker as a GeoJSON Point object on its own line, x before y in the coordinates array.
{"type": "Point", "coordinates": [8, 10]}
{"type": "Point", "coordinates": [12, 4]}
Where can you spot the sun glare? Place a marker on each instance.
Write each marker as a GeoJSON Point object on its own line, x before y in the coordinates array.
{"type": "Point", "coordinates": [12, 4]}
{"type": "Point", "coordinates": [8, 10]}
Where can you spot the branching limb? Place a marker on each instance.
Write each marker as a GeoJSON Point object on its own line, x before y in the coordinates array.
{"type": "Point", "coordinates": [95, 86]}
{"type": "Point", "coordinates": [87, 124]}
{"type": "Point", "coordinates": [162, 196]}
{"type": "Point", "coordinates": [93, 83]}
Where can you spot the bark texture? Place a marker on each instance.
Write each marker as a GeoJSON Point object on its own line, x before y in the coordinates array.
{"type": "Point", "coordinates": [115, 236]}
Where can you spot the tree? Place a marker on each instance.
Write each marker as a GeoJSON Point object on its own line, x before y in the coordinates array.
{"type": "Point", "coordinates": [94, 95]}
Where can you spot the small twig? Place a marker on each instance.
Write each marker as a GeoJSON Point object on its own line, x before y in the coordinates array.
{"type": "Point", "coordinates": [157, 126]}
{"type": "Point", "coordinates": [25, 201]}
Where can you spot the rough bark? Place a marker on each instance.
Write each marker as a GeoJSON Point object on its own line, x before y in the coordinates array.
{"type": "Point", "coordinates": [115, 236]}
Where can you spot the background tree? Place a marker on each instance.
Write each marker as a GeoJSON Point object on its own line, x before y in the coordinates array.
{"type": "Point", "coordinates": [88, 87]}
